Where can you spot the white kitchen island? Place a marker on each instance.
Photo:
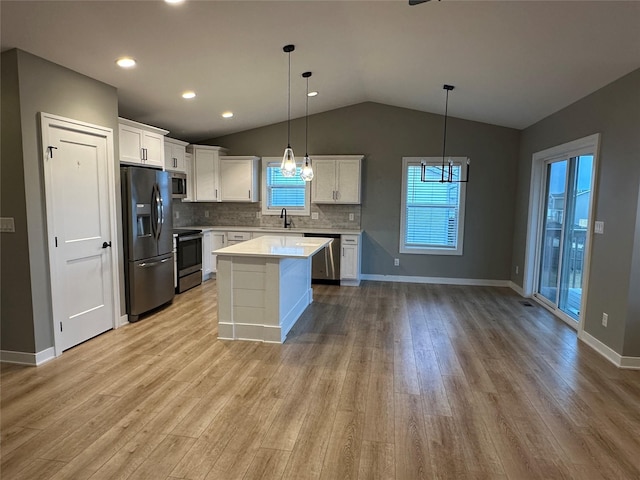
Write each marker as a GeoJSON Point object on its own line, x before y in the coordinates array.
{"type": "Point", "coordinates": [264, 285]}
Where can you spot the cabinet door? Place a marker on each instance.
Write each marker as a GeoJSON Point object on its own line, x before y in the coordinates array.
{"type": "Point", "coordinates": [206, 254]}
{"type": "Point", "coordinates": [347, 181]}
{"type": "Point", "coordinates": [188, 169]}
{"type": "Point", "coordinates": [206, 175]}
{"type": "Point", "coordinates": [179, 152]}
{"type": "Point", "coordinates": [349, 262]}
{"type": "Point", "coordinates": [218, 240]}
{"type": "Point", "coordinates": [174, 157]}
{"type": "Point", "coordinates": [130, 144]}
{"type": "Point", "coordinates": [236, 180]}
{"type": "Point", "coordinates": [153, 143]}
{"type": "Point", "coordinates": [324, 181]}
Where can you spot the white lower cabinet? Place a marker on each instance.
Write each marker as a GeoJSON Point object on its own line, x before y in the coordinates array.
{"type": "Point", "coordinates": [218, 240]}
{"type": "Point", "coordinates": [237, 237]}
{"type": "Point", "coordinates": [207, 264]}
{"type": "Point", "coordinates": [350, 260]}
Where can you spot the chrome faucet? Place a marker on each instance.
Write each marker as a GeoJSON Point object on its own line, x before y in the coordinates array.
{"type": "Point", "coordinates": [283, 214]}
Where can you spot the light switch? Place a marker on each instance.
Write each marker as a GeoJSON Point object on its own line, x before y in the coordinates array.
{"type": "Point", "coordinates": [7, 225]}
{"type": "Point", "coordinates": [599, 227]}
{"type": "Point", "coordinates": [314, 215]}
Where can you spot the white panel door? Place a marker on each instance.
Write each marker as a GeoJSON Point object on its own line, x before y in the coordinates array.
{"type": "Point", "coordinates": [79, 223]}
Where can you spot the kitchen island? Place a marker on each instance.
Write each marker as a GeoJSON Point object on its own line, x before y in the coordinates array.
{"type": "Point", "coordinates": [264, 285]}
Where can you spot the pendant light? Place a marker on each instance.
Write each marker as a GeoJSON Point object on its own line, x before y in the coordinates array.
{"type": "Point", "coordinates": [446, 169]}
{"type": "Point", "coordinates": [288, 166]}
{"type": "Point", "coordinates": [307, 172]}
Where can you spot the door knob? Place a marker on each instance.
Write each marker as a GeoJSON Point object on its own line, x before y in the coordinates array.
{"type": "Point", "coordinates": [105, 244]}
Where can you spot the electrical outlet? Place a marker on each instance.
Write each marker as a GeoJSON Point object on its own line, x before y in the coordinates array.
{"type": "Point", "coordinates": [605, 319]}
{"type": "Point", "coordinates": [517, 269]}
{"type": "Point", "coordinates": [257, 214]}
{"type": "Point", "coordinates": [314, 215]}
{"type": "Point", "coordinates": [176, 214]}
{"type": "Point", "coordinates": [351, 217]}
{"type": "Point", "coordinates": [598, 227]}
{"type": "Point", "coordinates": [206, 213]}
{"type": "Point", "coordinates": [396, 262]}
{"type": "Point", "coordinates": [7, 225]}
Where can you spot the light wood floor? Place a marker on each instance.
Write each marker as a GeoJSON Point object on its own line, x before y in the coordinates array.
{"type": "Point", "coordinates": [386, 381]}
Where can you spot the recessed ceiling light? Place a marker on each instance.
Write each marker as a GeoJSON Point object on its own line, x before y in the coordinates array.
{"type": "Point", "coordinates": [312, 94]}
{"type": "Point", "coordinates": [174, 2]}
{"type": "Point", "coordinates": [189, 94]}
{"type": "Point", "coordinates": [227, 115]}
{"type": "Point", "coordinates": [126, 62]}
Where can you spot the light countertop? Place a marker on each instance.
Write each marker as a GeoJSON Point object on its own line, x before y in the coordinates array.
{"type": "Point", "coordinates": [274, 230]}
{"type": "Point", "coordinates": [276, 246]}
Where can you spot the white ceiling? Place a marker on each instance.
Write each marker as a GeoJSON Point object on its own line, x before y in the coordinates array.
{"type": "Point", "coordinates": [512, 62]}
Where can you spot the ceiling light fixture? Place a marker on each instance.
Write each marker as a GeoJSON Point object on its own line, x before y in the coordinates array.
{"type": "Point", "coordinates": [174, 2]}
{"type": "Point", "coordinates": [307, 172]}
{"type": "Point", "coordinates": [446, 170]}
{"type": "Point", "coordinates": [189, 94]}
{"type": "Point", "coordinates": [227, 115]}
{"type": "Point", "coordinates": [312, 94]}
{"type": "Point", "coordinates": [288, 166]}
{"type": "Point", "coordinates": [126, 62]}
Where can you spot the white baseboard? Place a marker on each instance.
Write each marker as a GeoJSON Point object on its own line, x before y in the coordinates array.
{"type": "Point", "coordinates": [124, 319]}
{"type": "Point", "coordinates": [517, 288]}
{"type": "Point", "coordinates": [631, 363]}
{"type": "Point", "coordinates": [437, 280]}
{"type": "Point", "coordinates": [25, 358]}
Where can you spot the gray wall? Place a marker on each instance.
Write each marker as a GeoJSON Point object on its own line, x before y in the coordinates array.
{"type": "Point", "coordinates": [15, 281]}
{"type": "Point", "coordinates": [43, 87]}
{"type": "Point", "coordinates": [385, 134]}
{"type": "Point", "coordinates": [614, 112]}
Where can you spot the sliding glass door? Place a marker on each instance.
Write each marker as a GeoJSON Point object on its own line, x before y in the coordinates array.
{"type": "Point", "coordinates": [565, 218]}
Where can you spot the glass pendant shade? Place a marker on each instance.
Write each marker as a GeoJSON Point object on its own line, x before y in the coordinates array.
{"type": "Point", "coordinates": [307, 172]}
{"type": "Point", "coordinates": [288, 166]}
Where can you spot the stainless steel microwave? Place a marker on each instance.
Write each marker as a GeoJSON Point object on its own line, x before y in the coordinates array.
{"type": "Point", "coordinates": [178, 185]}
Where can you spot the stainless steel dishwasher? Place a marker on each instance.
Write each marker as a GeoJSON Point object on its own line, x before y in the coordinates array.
{"type": "Point", "coordinates": [325, 265]}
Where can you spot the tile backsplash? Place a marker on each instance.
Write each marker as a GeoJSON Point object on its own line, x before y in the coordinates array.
{"type": "Point", "coordinates": [244, 214]}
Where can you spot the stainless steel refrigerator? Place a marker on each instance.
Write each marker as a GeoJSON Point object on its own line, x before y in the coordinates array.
{"type": "Point", "coordinates": [148, 239]}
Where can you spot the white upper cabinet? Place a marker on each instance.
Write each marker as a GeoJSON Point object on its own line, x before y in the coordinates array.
{"type": "Point", "coordinates": [174, 152]}
{"type": "Point", "coordinates": [191, 184]}
{"type": "Point", "coordinates": [239, 179]}
{"type": "Point", "coordinates": [337, 179]}
{"type": "Point", "coordinates": [141, 144]}
{"type": "Point", "coordinates": [206, 171]}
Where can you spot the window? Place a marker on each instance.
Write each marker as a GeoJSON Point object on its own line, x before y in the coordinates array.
{"type": "Point", "coordinates": [280, 192]}
{"type": "Point", "coordinates": [432, 216]}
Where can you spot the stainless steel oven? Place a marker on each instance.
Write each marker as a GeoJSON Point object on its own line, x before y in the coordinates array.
{"type": "Point", "coordinates": [189, 259]}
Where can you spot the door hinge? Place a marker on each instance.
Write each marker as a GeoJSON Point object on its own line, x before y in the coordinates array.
{"type": "Point", "coordinates": [60, 326]}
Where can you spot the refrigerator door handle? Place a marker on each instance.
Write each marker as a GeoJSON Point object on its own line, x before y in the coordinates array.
{"type": "Point", "coordinates": [161, 210]}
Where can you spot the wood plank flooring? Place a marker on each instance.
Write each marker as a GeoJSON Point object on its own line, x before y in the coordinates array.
{"type": "Point", "coordinates": [385, 381]}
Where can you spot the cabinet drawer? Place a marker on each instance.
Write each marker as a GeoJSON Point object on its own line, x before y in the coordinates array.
{"type": "Point", "coordinates": [238, 236]}
{"type": "Point", "coordinates": [349, 239]}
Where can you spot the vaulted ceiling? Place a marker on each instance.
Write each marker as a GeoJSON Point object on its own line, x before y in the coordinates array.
{"type": "Point", "coordinates": [512, 62]}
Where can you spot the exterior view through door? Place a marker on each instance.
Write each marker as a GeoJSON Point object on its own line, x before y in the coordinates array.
{"type": "Point", "coordinates": [565, 222]}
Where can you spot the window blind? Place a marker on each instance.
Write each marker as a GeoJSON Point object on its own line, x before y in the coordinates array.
{"type": "Point", "coordinates": [432, 209]}
{"type": "Point", "coordinates": [284, 192]}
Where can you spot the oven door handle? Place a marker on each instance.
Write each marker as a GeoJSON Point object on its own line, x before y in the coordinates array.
{"type": "Point", "coordinates": [185, 238]}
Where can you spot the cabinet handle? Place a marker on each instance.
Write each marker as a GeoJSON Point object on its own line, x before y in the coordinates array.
{"type": "Point", "coordinates": [249, 194]}
{"type": "Point", "coordinates": [142, 154]}
{"type": "Point", "coordinates": [216, 196]}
